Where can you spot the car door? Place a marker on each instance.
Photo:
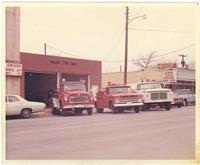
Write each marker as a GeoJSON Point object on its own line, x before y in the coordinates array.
{"type": "Point", "coordinates": [13, 105]}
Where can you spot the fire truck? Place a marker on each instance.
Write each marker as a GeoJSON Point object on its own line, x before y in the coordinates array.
{"type": "Point", "coordinates": [72, 96]}
{"type": "Point", "coordinates": [118, 98]}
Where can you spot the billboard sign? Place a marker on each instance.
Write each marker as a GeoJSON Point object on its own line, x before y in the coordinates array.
{"type": "Point", "coordinates": [166, 65]}
{"type": "Point", "coordinates": [13, 69]}
{"type": "Point", "coordinates": [170, 75]}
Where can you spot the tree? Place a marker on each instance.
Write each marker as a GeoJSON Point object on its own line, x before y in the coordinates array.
{"type": "Point", "coordinates": [145, 62]}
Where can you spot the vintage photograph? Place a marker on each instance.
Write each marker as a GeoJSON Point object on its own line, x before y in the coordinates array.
{"type": "Point", "coordinates": [100, 81]}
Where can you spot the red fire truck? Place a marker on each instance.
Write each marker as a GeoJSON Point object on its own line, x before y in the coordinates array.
{"type": "Point", "coordinates": [72, 96]}
{"type": "Point", "coordinates": [118, 98]}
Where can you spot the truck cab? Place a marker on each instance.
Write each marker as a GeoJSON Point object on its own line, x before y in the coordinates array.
{"type": "Point", "coordinates": [154, 95]}
{"type": "Point", "coordinates": [72, 96]}
{"type": "Point", "coordinates": [118, 98]}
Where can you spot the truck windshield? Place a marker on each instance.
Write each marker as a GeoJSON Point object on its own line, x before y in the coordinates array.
{"type": "Point", "coordinates": [74, 86]}
{"type": "Point", "coordinates": [116, 90]}
{"type": "Point", "coordinates": [149, 86]}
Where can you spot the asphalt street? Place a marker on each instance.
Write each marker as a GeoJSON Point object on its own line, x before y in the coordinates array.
{"type": "Point", "coordinates": [148, 135]}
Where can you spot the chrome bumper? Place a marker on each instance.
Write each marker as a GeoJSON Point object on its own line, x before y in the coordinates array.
{"type": "Point", "coordinates": [78, 106]}
{"type": "Point", "coordinates": [128, 104]}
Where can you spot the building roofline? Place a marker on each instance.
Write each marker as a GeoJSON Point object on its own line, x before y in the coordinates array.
{"type": "Point", "coordinates": [71, 58]}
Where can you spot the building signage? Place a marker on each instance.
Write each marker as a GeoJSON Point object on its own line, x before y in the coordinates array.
{"type": "Point", "coordinates": [13, 69]}
{"type": "Point", "coordinates": [170, 75]}
{"type": "Point", "coordinates": [166, 65]}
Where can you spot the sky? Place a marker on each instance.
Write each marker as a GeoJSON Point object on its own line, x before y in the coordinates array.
{"type": "Point", "coordinates": [97, 31]}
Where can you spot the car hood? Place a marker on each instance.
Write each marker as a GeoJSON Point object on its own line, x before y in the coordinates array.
{"type": "Point", "coordinates": [157, 90]}
{"type": "Point", "coordinates": [125, 94]}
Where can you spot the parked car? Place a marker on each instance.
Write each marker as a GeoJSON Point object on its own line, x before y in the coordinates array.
{"type": "Point", "coordinates": [16, 105]}
{"type": "Point", "coordinates": [187, 94]}
{"type": "Point", "coordinates": [178, 101]}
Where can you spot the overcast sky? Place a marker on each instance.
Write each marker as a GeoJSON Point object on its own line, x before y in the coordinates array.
{"type": "Point", "coordinates": [97, 31]}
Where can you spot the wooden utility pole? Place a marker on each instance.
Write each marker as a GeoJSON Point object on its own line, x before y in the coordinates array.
{"type": "Point", "coordinates": [126, 47]}
{"type": "Point", "coordinates": [182, 61]}
{"type": "Point", "coordinates": [45, 48]}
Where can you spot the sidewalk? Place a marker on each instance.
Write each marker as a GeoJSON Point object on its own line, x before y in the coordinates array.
{"type": "Point", "coordinates": [46, 113]}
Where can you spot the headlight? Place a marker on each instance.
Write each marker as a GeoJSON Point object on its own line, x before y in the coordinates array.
{"type": "Point", "coordinates": [146, 96]}
{"type": "Point", "coordinates": [116, 101]}
{"type": "Point", "coordinates": [66, 97]}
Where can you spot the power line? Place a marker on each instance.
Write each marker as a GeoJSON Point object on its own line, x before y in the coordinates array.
{"type": "Point", "coordinates": [68, 53]}
{"type": "Point", "coordinates": [157, 30]}
{"type": "Point", "coordinates": [116, 43]}
{"type": "Point", "coordinates": [160, 55]}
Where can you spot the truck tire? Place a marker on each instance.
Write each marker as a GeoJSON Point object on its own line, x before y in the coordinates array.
{"type": "Point", "coordinates": [167, 106]}
{"type": "Point", "coordinates": [137, 109]}
{"type": "Point", "coordinates": [185, 103]}
{"type": "Point", "coordinates": [99, 110]}
{"type": "Point", "coordinates": [89, 111]}
{"type": "Point", "coordinates": [113, 109]}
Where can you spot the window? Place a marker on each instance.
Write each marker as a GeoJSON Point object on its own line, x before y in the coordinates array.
{"type": "Point", "coordinates": [12, 99]}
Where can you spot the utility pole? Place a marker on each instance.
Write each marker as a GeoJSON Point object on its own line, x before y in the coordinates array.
{"type": "Point", "coordinates": [126, 47]}
{"type": "Point", "coordinates": [45, 48]}
{"type": "Point", "coordinates": [182, 61]}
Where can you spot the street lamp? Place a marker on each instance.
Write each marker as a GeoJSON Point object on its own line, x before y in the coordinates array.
{"type": "Point", "coordinates": [126, 42]}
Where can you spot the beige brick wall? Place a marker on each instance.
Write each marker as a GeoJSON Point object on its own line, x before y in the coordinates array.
{"type": "Point", "coordinates": [135, 76]}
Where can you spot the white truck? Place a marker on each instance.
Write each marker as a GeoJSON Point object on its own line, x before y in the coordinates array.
{"type": "Point", "coordinates": [154, 95]}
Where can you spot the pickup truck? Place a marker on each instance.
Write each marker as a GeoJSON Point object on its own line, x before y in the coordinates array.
{"type": "Point", "coordinates": [118, 98]}
{"type": "Point", "coordinates": [154, 95]}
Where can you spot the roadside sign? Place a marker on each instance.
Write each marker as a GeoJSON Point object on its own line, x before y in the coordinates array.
{"type": "Point", "coordinates": [170, 75]}
{"type": "Point", "coordinates": [13, 69]}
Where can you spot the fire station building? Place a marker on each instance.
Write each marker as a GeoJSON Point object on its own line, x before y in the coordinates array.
{"type": "Point", "coordinates": [42, 73]}
{"type": "Point", "coordinates": [33, 75]}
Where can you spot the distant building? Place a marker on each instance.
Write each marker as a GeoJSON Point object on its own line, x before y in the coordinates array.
{"type": "Point", "coordinates": [174, 79]}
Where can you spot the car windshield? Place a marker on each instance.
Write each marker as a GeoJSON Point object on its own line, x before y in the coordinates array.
{"type": "Point", "coordinates": [116, 90]}
{"type": "Point", "coordinates": [74, 86]}
{"type": "Point", "coordinates": [149, 86]}
{"type": "Point", "coordinates": [183, 92]}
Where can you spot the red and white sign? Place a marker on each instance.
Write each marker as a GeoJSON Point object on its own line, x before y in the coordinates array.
{"type": "Point", "coordinates": [166, 65]}
{"type": "Point", "coordinates": [13, 69]}
{"type": "Point", "coordinates": [170, 75]}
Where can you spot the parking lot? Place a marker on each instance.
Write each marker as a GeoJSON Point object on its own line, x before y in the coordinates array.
{"type": "Point", "coordinates": [155, 134]}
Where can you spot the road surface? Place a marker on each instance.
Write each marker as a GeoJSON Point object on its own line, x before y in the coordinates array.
{"type": "Point", "coordinates": [148, 135]}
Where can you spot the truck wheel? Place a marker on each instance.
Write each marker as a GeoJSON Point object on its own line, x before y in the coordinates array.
{"type": "Point", "coordinates": [26, 113]}
{"type": "Point", "coordinates": [185, 102]}
{"type": "Point", "coordinates": [137, 109]}
{"type": "Point", "coordinates": [99, 110]}
{"type": "Point", "coordinates": [89, 111]}
{"type": "Point", "coordinates": [168, 106]}
{"type": "Point", "coordinates": [113, 109]}
{"type": "Point", "coordinates": [78, 112]}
